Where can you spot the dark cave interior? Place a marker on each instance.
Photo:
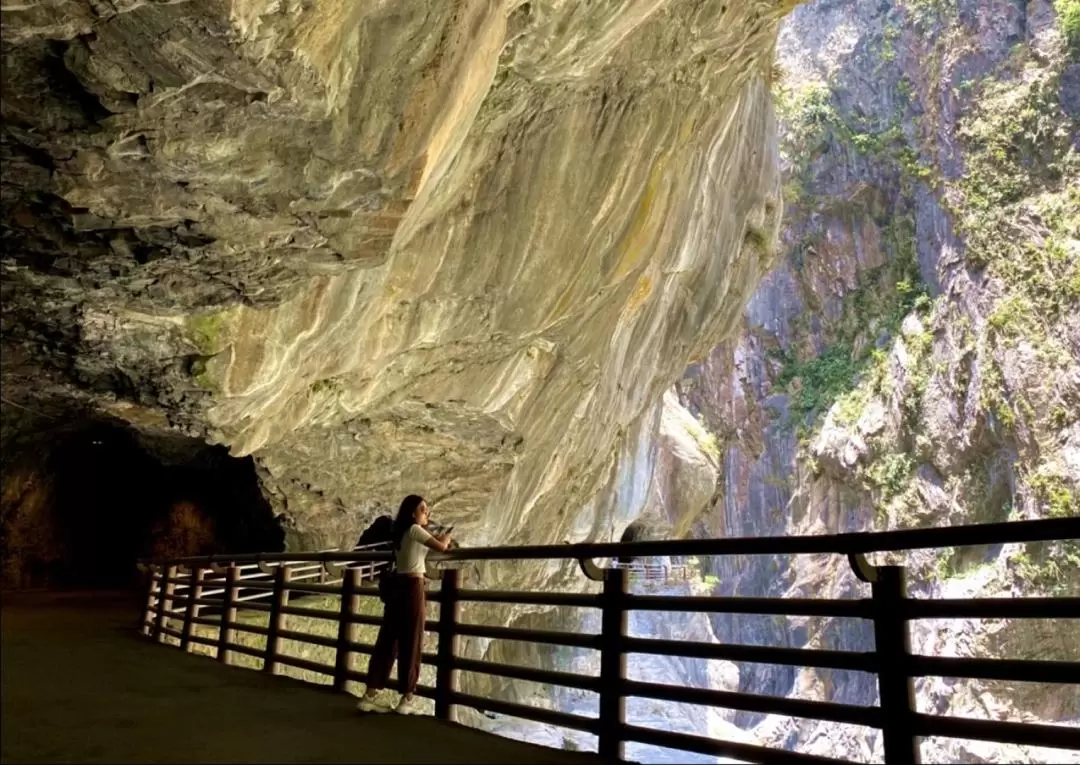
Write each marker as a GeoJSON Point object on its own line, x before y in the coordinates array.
{"type": "Point", "coordinates": [82, 507]}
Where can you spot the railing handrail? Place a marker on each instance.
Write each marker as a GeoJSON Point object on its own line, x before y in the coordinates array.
{"type": "Point", "coordinates": [854, 543]}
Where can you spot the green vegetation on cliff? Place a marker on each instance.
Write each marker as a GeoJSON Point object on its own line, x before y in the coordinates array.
{"type": "Point", "coordinates": [1069, 18]}
{"type": "Point", "coordinates": [207, 331]}
{"type": "Point", "coordinates": [1020, 208]}
{"type": "Point", "coordinates": [1052, 567]}
{"type": "Point", "coordinates": [851, 365]}
{"type": "Point", "coordinates": [993, 353]}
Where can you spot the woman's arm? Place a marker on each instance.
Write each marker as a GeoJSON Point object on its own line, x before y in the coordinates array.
{"type": "Point", "coordinates": [441, 543]}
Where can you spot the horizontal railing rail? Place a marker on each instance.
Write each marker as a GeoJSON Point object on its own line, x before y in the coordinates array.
{"type": "Point", "coordinates": [658, 571]}
{"type": "Point", "coordinates": [856, 543]}
{"type": "Point", "coordinates": [181, 588]}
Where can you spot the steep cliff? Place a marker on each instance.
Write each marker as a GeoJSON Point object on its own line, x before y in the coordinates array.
{"type": "Point", "coordinates": [914, 359]}
{"type": "Point", "coordinates": [458, 247]}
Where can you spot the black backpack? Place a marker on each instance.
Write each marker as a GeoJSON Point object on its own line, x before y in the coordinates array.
{"type": "Point", "coordinates": [380, 532]}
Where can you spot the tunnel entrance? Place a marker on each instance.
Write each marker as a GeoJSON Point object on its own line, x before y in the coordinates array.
{"type": "Point", "coordinates": [79, 512]}
{"type": "Point", "coordinates": [635, 532]}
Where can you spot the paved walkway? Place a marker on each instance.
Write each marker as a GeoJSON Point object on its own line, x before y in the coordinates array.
{"type": "Point", "coordinates": [80, 686]}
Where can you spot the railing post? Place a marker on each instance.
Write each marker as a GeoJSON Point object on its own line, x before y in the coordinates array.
{"type": "Point", "coordinates": [892, 643]}
{"type": "Point", "coordinates": [172, 575]}
{"type": "Point", "coordinates": [277, 618]}
{"type": "Point", "coordinates": [144, 625]}
{"type": "Point", "coordinates": [192, 610]}
{"type": "Point", "coordinates": [164, 601]}
{"type": "Point", "coordinates": [342, 660]}
{"type": "Point", "coordinates": [198, 587]}
{"type": "Point", "coordinates": [445, 674]}
{"type": "Point", "coordinates": [612, 664]}
{"type": "Point", "coordinates": [228, 613]}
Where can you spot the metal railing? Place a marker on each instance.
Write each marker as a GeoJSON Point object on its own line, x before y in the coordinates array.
{"type": "Point", "coordinates": [658, 572]}
{"type": "Point", "coordinates": [888, 608]}
{"type": "Point", "coordinates": [251, 578]}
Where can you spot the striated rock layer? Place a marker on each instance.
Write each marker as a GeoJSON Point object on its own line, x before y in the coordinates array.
{"type": "Point", "coordinates": [460, 248]}
{"type": "Point", "coordinates": [914, 359]}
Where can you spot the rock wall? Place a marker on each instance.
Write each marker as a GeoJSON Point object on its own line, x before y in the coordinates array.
{"type": "Point", "coordinates": [461, 248]}
{"type": "Point", "coordinates": [914, 359]}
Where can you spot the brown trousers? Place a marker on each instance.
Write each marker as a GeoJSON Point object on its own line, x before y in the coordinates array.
{"type": "Point", "coordinates": [401, 636]}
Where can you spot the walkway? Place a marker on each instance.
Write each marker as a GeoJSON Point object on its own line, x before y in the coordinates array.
{"type": "Point", "coordinates": [80, 686]}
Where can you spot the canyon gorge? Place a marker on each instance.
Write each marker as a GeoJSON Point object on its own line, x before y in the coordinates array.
{"type": "Point", "coordinates": [912, 361]}
{"type": "Point", "coordinates": [711, 268]}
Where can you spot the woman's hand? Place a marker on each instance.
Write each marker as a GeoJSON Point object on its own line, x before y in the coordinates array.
{"type": "Point", "coordinates": [438, 542]}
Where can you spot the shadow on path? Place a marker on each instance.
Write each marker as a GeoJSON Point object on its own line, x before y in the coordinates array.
{"type": "Point", "coordinates": [79, 685]}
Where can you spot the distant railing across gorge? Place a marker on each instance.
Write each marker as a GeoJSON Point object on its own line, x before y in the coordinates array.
{"type": "Point", "coordinates": [181, 589]}
{"type": "Point", "coordinates": [658, 572]}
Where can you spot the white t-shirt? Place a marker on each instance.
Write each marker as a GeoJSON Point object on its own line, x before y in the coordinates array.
{"type": "Point", "coordinates": [411, 557]}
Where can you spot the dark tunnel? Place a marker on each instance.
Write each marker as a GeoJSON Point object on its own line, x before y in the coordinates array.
{"type": "Point", "coordinates": [635, 532]}
{"type": "Point", "coordinates": [82, 509]}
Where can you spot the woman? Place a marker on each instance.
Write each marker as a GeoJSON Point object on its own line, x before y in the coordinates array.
{"type": "Point", "coordinates": [402, 632]}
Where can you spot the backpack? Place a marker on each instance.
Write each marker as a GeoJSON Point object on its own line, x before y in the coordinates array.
{"type": "Point", "coordinates": [380, 533]}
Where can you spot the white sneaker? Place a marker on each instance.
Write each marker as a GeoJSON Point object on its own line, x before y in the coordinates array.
{"type": "Point", "coordinates": [410, 706]}
{"type": "Point", "coordinates": [372, 704]}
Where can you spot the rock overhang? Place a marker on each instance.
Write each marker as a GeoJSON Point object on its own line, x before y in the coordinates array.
{"type": "Point", "coordinates": [460, 249]}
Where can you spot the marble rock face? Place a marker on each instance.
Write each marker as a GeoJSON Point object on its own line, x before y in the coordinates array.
{"type": "Point", "coordinates": [460, 247]}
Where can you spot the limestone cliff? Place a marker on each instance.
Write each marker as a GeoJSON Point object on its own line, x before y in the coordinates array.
{"type": "Point", "coordinates": [914, 359]}
{"type": "Point", "coordinates": [460, 248]}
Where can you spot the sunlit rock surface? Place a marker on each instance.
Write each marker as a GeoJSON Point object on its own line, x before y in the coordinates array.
{"type": "Point", "coordinates": [460, 248]}
{"type": "Point", "coordinates": [913, 360]}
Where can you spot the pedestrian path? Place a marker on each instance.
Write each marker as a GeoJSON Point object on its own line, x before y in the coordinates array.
{"type": "Point", "coordinates": [79, 685]}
